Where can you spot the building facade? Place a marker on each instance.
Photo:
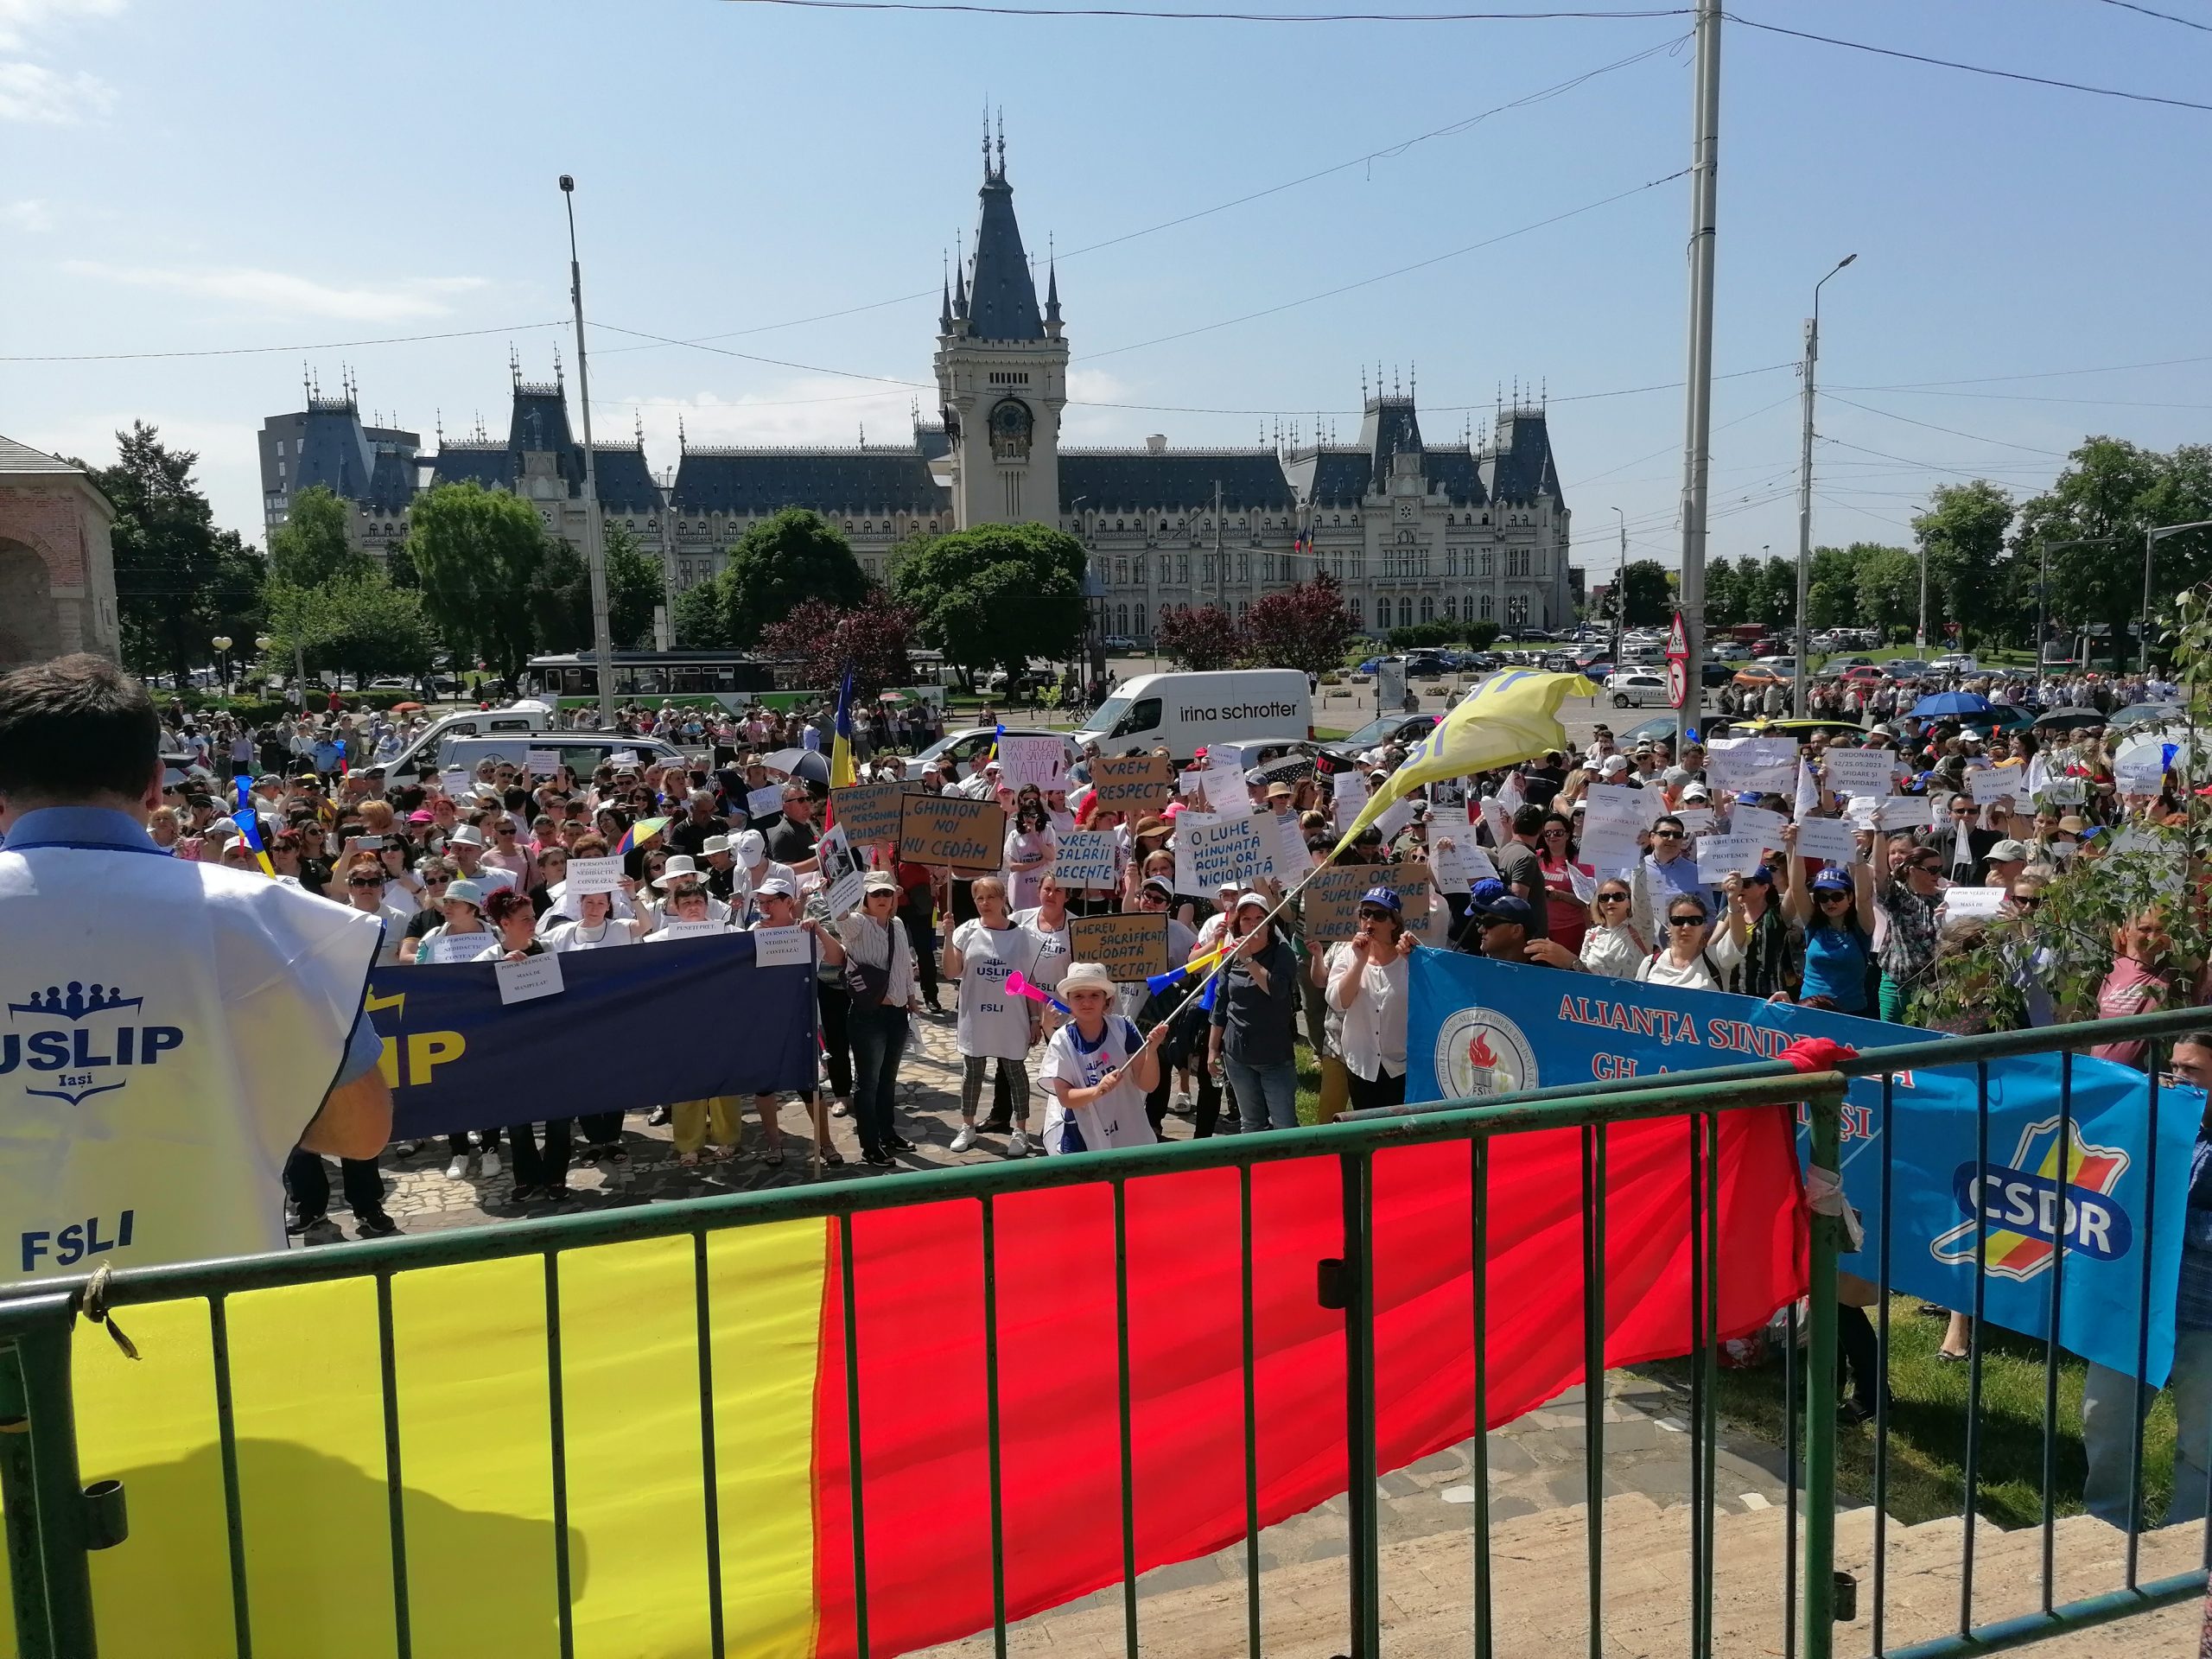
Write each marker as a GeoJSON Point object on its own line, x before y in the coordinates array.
{"type": "Point", "coordinates": [57, 562]}
{"type": "Point", "coordinates": [1413, 531]}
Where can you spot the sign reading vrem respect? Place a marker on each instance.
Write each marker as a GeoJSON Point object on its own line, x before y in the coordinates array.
{"type": "Point", "coordinates": [1479, 1027]}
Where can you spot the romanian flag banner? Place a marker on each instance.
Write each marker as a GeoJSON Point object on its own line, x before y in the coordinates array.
{"type": "Point", "coordinates": [724, 1411]}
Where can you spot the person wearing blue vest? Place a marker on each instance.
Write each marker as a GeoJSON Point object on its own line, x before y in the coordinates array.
{"type": "Point", "coordinates": [176, 1029]}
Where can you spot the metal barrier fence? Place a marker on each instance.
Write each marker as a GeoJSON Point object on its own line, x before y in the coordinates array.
{"type": "Point", "coordinates": [52, 1523]}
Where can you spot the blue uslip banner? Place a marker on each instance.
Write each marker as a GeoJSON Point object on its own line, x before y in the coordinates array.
{"type": "Point", "coordinates": [1478, 1028]}
{"type": "Point", "coordinates": [634, 1028]}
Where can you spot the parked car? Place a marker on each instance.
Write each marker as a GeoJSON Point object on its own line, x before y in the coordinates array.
{"type": "Point", "coordinates": [1425, 666]}
{"type": "Point", "coordinates": [1956, 662]}
{"type": "Point", "coordinates": [1759, 677]}
{"type": "Point", "coordinates": [1785, 666]}
{"type": "Point", "coordinates": [1384, 730]}
{"type": "Point", "coordinates": [1635, 688]}
{"type": "Point", "coordinates": [1834, 668]}
{"type": "Point", "coordinates": [1907, 668]}
{"type": "Point", "coordinates": [1731, 650]}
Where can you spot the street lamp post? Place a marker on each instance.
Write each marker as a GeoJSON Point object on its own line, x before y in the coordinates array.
{"type": "Point", "coordinates": [602, 648]}
{"type": "Point", "coordinates": [1805, 491]}
{"type": "Point", "coordinates": [222, 643]}
{"type": "Point", "coordinates": [1619, 597]}
{"type": "Point", "coordinates": [2151, 537]}
{"type": "Point", "coordinates": [2043, 550]}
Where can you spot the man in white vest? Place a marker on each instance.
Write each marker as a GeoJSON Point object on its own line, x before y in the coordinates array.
{"type": "Point", "coordinates": [169, 1030]}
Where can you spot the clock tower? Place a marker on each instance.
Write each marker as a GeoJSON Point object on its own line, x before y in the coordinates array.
{"type": "Point", "coordinates": [1001, 371]}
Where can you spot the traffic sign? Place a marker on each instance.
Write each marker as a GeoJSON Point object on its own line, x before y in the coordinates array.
{"type": "Point", "coordinates": [1678, 643]}
{"type": "Point", "coordinates": [1678, 682]}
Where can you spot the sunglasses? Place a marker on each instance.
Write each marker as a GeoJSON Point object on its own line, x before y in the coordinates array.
{"type": "Point", "coordinates": [1832, 898]}
{"type": "Point", "coordinates": [1926, 869]}
{"type": "Point", "coordinates": [1612, 898]}
{"type": "Point", "coordinates": [1375, 915]}
{"type": "Point", "coordinates": [2027, 902]}
{"type": "Point", "coordinates": [363, 881]}
{"type": "Point", "coordinates": [1686, 921]}
{"type": "Point", "coordinates": [1666, 834]}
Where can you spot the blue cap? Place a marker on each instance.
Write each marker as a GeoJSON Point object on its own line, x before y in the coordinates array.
{"type": "Point", "coordinates": [1511, 908]}
{"type": "Point", "coordinates": [1749, 798]}
{"type": "Point", "coordinates": [1485, 893]}
{"type": "Point", "coordinates": [1763, 876]}
{"type": "Point", "coordinates": [1833, 880]}
{"type": "Point", "coordinates": [1382, 899]}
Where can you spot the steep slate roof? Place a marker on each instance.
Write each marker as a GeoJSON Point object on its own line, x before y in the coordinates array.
{"type": "Point", "coordinates": [625, 483]}
{"type": "Point", "coordinates": [1519, 467]}
{"type": "Point", "coordinates": [1001, 294]}
{"type": "Point", "coordinates": [392, 484]}
{"type": "Point", "coordinates": [1333, 478]}
{"type": "Point", "coordinates": [1388, 426]}
{"type": "Point", "coordinates": [470, 461]}
{"type": "Point", "coordinates": [1453, 472]}
{"type": "Point", "coordinates": [540, 422]}
{"type": "Point", "coordinates": [1114, 481]}
{"type": "Point", "coordinates": [880, 479]}
{"type": "Point", "coordinates": [22, 457]}
{"type": "Point", "coordinates": [333, 451]}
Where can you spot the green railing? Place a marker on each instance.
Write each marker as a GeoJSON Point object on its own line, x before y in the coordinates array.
{"type": "Point", "coordinates": [53, 1523]}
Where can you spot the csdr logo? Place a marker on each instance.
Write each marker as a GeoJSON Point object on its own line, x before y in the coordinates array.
{"type": "Point", "coordinates": [2022, 1202]}
{"type": "Point", "coordinates": [1479, 1054]}
{"type": "Point", "coordinates": [77, 1038]}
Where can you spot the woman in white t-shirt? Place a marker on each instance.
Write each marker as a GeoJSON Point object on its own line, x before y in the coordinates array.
{"type": "Point", "coordinates": [1099, 1069]}
{"type": "Point", "coordinates": [1047, 927]}
{"type": "Point", "coordinates": [992, 1022]}
{"type": "Point", "coordinates": [598, 928]}
{"type": "Point", "coordinates": [1692, 957]}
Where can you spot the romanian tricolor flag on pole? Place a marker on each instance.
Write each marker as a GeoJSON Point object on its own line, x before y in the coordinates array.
{"type": "Point", "coordinates": [649, 1447]}
{"type": "Point", "coordinates": [843, 773]}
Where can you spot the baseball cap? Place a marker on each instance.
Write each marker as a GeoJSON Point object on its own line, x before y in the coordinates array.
{"type": "Point", "coordinates": [1383, 898]}
{"type": "Point", "coordinates": [1485, 893]}
{"type": "Point", "coordinates": [1697, 792]}
{"type": "Point", "coordinates": [1832, 880]}
{"type": "Point", "coordinates": [2006, 849]}
{"type": "Point", "coordinates": [752, 847]}
{"type": "Point", "coordinates": [1261, 899]}
{"type": "Point", "coordinates": [774, 887]}
{"type": "Point", "coordinates": [879, 882]}
{"type": "Point", "coordinates": [1613, 765]}
{"type": "Point", "coordinates": [1510, 907]}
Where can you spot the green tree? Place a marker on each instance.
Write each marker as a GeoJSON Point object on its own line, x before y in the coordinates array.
{"type": "Point", "coordinates": [777, 566]}
{"type": "Point", "coordinates": [2117, 491]}
{"type": "Point", "coordinates": [1971, 579]}
{"type": "Point", "coordinates": [178, 580]}
{"type": "Point", "coordinates": [1648, 594]}
{"type": "Point", "coordinates": [356, 622]}
{"type": "Point", "coordinates": [1305, 626]}
{"type": "Point", "coordinates": [634, 589]}
{"type": "Point", "coordinates": [560, 597]}
{"type": "Point", "coordinates": [1887, 586]}
{"type": "Point", "coordinates": [310, 546]}
{"type": "Point", "coordinates": [1776, 604]}
{"type": "Point", "coordinates": [1833, 590]}
{"type": "Point", "coordinates": [477, 553]}
{"type": "Point", "coordinates": [701, 621]}
{"type": "Point", "coordinates": [996, 596]}
{"type": "Point", "coordinates": [1723, 595]}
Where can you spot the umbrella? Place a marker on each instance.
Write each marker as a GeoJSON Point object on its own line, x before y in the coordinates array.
{"type": "Point", "coordinates": [2067, 720]}
{"type": "Point", "coordinates": [892, 697]}
{"type": "Point", "coordinates": [1937, 704]}
{"type": "Point", "coordinates": [810, 764]}
{"type": "Point", "coordinates": [406, 708]}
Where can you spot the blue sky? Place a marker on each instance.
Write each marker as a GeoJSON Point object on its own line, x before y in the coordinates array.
{"type": "Point", "coordinates": [183, 178]}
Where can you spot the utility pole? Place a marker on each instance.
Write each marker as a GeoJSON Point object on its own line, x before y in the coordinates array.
{"type": "Point", "coordinates": [2151, 537]}
{"type": "Point", "coordinates": [1705, 155]}
{"type": "Point", "coordinates": [1620, 595]}
{"type": "Point", "coordinates": [1805, 494]}
{"type": "Point", "coordinates": [1220, 564]}
{"type": "Point", "coordinates": [1920, 632]}
{"type": "Point", "coordinates": [602, 649]}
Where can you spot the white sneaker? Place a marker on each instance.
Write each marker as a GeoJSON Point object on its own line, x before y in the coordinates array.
{"type": "Point", "coordinates": [457, 1170]}
{"type": "Point", "coordinates": [965, 1138]}
{"type": "Point", "coordinates": [491, 1165]}
{"type": "Point", "coordinates": [1017, 1144]}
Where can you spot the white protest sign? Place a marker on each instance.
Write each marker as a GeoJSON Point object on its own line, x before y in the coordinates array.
{"type": "Point", "coordinates": [1449, 869]}
{"type": "Point", "coordinates": [1496, 820]}
{"type": "Point", "coordinates": [1584, 884]}
{"type": "Point", "coordinates": [1718, 854]}
{"type": "Point", "coordinates": [623, 758]}
{"type": "Point", "coordinates": [1758, 822]}
{"type": "Point", "coordinates": [593, 876]}
{"type": "Point", "coordinates": [2064, 792]}
{"type": "Point", "coordinates": [1479, 867]}
{"type": "Point", "coordinates": [1902, 813]}
{"type": "Point", "coordinates": [1293, 857]}
{"type": "Point", "coordinates": [1987, 783]}
{"type": "Point", "coordinates": [1762, 764]}
{"type": "Point", "coordinates": [1349, 796]}
{"type": "Point", "coordinates": [1220, 850]}
{"type": "Point", "coordinates": [530, 978]}
{"type": "Point", "coordinates": [845, 893]}
{"type": "Point", "coordinates": [1396, 816]}
{"type": "Point", "coordinates": [1084, 858]}
{"type": "Point", "coordinates": [2141, 772]}
{"type": "Point", "coordinates": [764, 802]}
{"type": "Point", "coordinates": [1859, 772]}
{"type": "Point", "coordinates": [542, 763]}
{"type": "Point", "coordinates": [1224, 791]}
{"type": "Point", "coordinates": [1226, 757]}
{"type": "Point", "coordinates": [1833, 841]}
{"type": "Point", "coordinates": [1616, 806]}
{"type": "Point", "coordinates": [1696, 820]}
{"type": "Point", "coordinates": [782, 947]}
{"type": "Point", "coordinates": [1960, 902]}
{"type": "Point", "coordinates": [1610, 852]}
{"type": "Point", "coordinates": [2141, 847]}
{"type": "Point", "coordinates": [457, 947]}
{"type": "Point", "coordinates": [675, 929]}
{"type": "Point", "coordinates": [1041, 760]}
{"type": "Point", "coordinates": [454, 780]}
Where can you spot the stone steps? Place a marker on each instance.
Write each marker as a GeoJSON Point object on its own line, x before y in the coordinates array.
{"type": "Point", "coordinates": [1539, 1602]}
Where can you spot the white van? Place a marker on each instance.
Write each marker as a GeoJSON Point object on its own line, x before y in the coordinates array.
{"type": "Point", "coordinates": [424, 754]}
{"type": "Point", "coordinates": [1183, 712]}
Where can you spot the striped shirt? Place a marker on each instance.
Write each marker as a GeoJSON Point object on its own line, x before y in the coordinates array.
{"type": "Point", "coordinates": [873, 944]}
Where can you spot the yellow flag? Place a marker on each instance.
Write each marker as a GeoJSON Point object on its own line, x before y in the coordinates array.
{"type": "Point", "coordinates": [1511, 717]}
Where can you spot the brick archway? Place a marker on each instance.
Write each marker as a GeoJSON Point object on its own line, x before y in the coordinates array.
{"type": "Point", "coordinates": [29, 630]}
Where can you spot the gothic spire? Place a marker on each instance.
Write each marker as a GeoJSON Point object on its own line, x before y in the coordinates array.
{"type": "Point", "coordinates": [1001, 294]}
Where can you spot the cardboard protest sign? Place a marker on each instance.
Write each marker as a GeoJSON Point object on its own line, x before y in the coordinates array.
{"type": "Point", "coordinates": [1331, 899]}
{"type": "Point", "coordinates": [1132, 947]}
{"type": "Point", "coordinates": [1832, 840]}
{"type": "Point", "coordinates": [954, 831]}
{"type": "Point", "coordinates": [1210, 853]}
{"type": "Point", "coordinates": [594, 875]}
{"type": "Point", "coordinates": [1987, 783]}
{"type": "Point", "coordinates": [1135, 784]}
{"type": "Point", "coordinates": [765, 802]}
{"type": "Point", "coordinates": [1084, 858]}
{"type": "Point", "coordinates": [1041, 760]}
{"type": "Point", "coordinates": [542, 763]}
{"type": "Point", "coordinates": [1859, 772]}
{"type": "Point", "coordinates": [869, 812]}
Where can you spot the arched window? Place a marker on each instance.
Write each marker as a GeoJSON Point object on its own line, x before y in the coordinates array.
{"type": "Point", "coordinates": [1136, 616]}
{"type": "Point", "coordinates": [1118, 525]}
{"type": "Point", "coordinates": [1405, 612]}
{"type": "Point", "coordinates": [1485, 607]}
{"type": "Point", "coordinates": [1382, 613]}
{"type": "Point", "coordinates": [1121, 570]}
{"type": "Point", "coordinates": [1451, 608]}
{"type": "Point", "coordinates": [1121, 620]}
{"type": "Point", "coordinates": [1427, 608]}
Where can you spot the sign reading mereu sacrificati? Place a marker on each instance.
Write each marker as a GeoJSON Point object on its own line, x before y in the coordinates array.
{"type": "Point", "coordinates": [953, 831]}
{"type": "Point", "coordinates": [1132, 946]}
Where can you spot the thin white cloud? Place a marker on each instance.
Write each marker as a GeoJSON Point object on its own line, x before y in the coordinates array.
{"type": "Point", "coordinates": [33, 92]}
{"type": "Point", "coordinates": [813, 410]}
{"type": "Point", "coordinates": [21, 19]}
{"type": "Point", "coordinates": [409, 300]}
{"type": "Point", "coordinates": [32, 217]}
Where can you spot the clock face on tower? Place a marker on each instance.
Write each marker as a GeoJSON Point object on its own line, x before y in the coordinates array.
{"type": "Point", "coordinates": [1010, 426]}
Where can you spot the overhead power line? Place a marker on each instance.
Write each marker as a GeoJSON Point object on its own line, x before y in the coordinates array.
{"type": "Point", "coordinates": [257, 351]}
{"type": "Point", "coordinates": [2163, 17]}
{"type": "Point", "coordinates": [2005, 443]}
{"type": "Point", "coordinates": [1971, 69]}
{"type": "Point", "coordinates": [1220, 16]}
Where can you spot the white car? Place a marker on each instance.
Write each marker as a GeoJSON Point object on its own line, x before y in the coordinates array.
{"type": "Point", "coordinates": [1785, 666]}
{"type": "Point", "coordinates": [1961, 661]}
{"type": "Point", "coordinates": [1637, 688]}
{"type": "Point", "coordinates": [1730, 651]}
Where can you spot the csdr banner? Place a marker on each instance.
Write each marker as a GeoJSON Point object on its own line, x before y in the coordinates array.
{"type": "Point", "coordinates": [1478, 1028]}
{"type": "Point", "coordinates": [633, 1028]}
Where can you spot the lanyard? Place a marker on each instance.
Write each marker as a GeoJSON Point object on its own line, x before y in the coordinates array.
{"type": "Point", "coordinates": [90, 846]}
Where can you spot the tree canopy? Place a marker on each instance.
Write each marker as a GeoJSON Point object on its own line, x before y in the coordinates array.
{"type": "Point", "coordinates": [311, 546]}
{"type": "Point", "coordinates": [560, 597]}
{"type": "Point", "coordinates": [477, 553]}
{"type": "Point", "coordinates": [996, 596]}
{"type": "Point", "coordinates": [1305, 626]}
{"type": "Point", "coordinates": [1199, 639]}
{"type": "Point", "coordinates": [871, 640]}
{"type": "Point", "coordinates": [179, 582]}
{"type": "Point", "coordinates": [1648, 594]}
{"type": "Point", "coordinates": [777, 566]}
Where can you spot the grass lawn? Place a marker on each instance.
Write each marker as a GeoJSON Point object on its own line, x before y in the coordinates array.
{"type": "Point", "coordinates": [1927, 1420]}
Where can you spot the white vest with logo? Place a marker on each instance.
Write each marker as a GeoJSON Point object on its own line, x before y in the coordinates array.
{"type": "Point", "coordinates": [168, 1030]}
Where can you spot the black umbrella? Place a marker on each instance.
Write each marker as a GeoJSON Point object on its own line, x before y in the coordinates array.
{"type": "Point", "coordinates": [2067, 719]}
